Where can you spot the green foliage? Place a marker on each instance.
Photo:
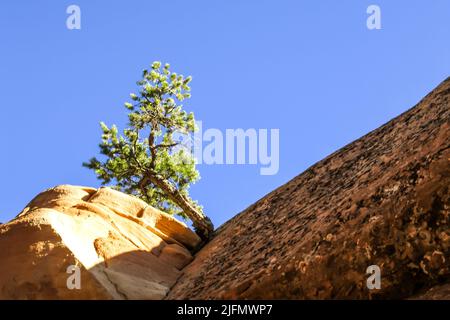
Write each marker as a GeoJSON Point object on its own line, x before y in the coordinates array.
{"type": "Point", "coordinates": [147, 147]}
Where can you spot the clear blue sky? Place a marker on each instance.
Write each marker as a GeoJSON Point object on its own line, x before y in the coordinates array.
{"type": "Point", "coordinates": [310, 68]}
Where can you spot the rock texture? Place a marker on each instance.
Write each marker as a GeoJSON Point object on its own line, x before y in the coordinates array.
{"type": "Point", "coordinates": [124, 249]}
{"type": "Point", "coordinates": [382, 200]}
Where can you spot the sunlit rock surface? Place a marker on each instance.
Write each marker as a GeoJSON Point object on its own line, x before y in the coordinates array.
{"type": "Point", "coordinates": [124, 248]}
{"type": "Point", "coordinates": [382, 200]}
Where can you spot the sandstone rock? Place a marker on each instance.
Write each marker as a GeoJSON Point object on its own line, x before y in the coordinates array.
{"type": "Point", "coordinates": [121, 254]}
{"type": "Point", "coordinates": [175, 255]}
{"type": "Point", "coordinates": [382, 200]}
{"type": "Point", "coordinates": [441, 292]}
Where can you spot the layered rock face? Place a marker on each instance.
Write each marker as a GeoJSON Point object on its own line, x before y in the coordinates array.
{"type": "Point", "coordinates": [382, 200]}
{"type": "Point", "coordinates": [123, 248]}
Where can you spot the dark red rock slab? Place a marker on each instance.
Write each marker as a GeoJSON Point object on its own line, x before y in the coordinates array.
{"type": "Point", "coordinates": [382, 200]}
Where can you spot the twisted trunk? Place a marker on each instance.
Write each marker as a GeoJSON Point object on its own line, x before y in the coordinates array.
{"type": "Point", "coordinates": [202, 224]}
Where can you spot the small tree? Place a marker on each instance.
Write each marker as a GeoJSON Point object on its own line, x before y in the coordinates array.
{"type": "Point", "coordinates": [144, 161]}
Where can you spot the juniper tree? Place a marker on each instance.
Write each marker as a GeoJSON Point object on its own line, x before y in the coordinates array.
{"type": "Point", "coordinates": [145, 161]}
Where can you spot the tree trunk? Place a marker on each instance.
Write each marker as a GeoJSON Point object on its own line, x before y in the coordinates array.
{"type": "Point", "coordinates": [202, 224]}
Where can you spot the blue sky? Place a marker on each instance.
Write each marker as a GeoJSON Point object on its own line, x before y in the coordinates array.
{"type": "Point", "coordinates": [312, 69]}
